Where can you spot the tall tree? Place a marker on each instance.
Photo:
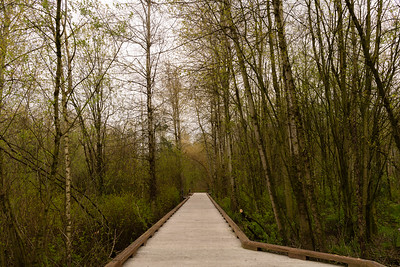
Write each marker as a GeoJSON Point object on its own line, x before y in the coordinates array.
{"type": "Point", "coordinates": [174, 87]}
{"type": "Point", "coordinates": [147, 5]}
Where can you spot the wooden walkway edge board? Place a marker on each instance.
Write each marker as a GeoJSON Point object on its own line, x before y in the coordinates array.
{"type": "Point", "coordinates": [122, 257]}
{"type": "Point", "coordinates": [292, 252]}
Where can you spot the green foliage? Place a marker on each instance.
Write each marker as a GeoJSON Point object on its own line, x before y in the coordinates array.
{"type": "Point", "coordinates": [167, 199]}
{"type": "Point", "coordinates": [225, 203]}
{"type": "Point", "coordinates": [126, 213]}
{"type": "Point", "coordinates": [341, 248]}
{"type": "Point", "coordinates": [257, 226]}
{"type": "Point", "coordinates": [127, 218]}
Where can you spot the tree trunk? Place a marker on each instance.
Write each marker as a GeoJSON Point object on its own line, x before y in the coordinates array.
{"type": "Point", "coordinates": [57, 89]}
{"type": "Point", "coordinates": [228, 144]}
{"type": "Point", "coordinates": [254, 120]}
{"type": "Point", "coordinates": [99, 143]}
{"type": "Point", "coordinates": [67, 157]}
{"type": "Point", "coordinates": [300, 162]}
{"type": "Point", "coordinates": [150, 109]}
{"type": "Point", "coordinates": [174, 88]}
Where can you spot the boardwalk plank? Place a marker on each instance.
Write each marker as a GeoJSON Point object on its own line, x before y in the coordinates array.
{"type": "Point", "coordinates": [197, 235]}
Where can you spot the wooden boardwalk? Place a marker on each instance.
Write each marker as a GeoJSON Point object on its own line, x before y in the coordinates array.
{"type": "Point", "coordinates": [197, 235]}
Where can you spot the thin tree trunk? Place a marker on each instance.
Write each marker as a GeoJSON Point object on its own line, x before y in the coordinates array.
{"type": "Point", "coordinates": [228, 147]}
{"type": "Point", "coordinates": [174, 88]}
{"type": "Point", "coordinates": [300, 164]}
{"type": "Point", "coordinates": [280, 114]}
{"type": "Point", "coordinates": [214, 136]}
{"type": "Point", "coordinates": [99, 150]}
{"type": "Point", "coordinates": [57, 89]}
{"type": "Point", "coordinates": [67, 158]}
{"type": "Point", "coordinates": [150, 111]}
{"type": "Point", "coordinates": [178, 143]}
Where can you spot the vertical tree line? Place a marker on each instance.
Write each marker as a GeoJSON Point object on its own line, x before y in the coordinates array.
{"type": "Point", "coordinates": [309, 100]}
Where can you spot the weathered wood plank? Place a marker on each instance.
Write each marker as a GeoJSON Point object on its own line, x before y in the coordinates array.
{"type": "Point", "coordinates": [197, 235]}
